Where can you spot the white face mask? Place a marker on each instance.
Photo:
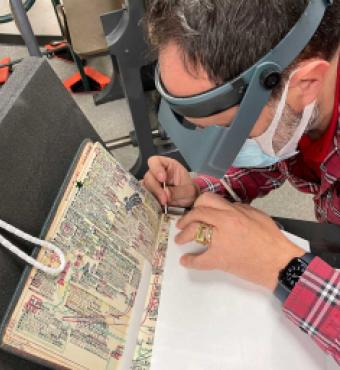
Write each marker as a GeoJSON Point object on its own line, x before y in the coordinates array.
{"type": "Point", "coordinates": [259, 152]}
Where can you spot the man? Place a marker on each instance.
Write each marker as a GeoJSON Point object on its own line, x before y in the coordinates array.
{"type": "Point", "coordinates": [202, 45]}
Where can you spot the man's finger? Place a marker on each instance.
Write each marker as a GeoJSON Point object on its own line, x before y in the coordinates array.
{"type": "Point", "coordinates": [212, 200]}
{"type": "Point", "coordinates": [209, 216]}
{"type": "Point", "coordinates": [156, 188]}
{"type": "Point", "coordinates": [188, 234]}
{"type": "Point", "coordinates": [197, 261]}
{"type": "Point", "coordinates": [158, 166]}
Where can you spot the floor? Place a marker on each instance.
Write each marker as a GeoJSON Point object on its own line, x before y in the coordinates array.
{"type": "Point", "coordinates": [41, 15]}
{"type": "Point", "coordinates": [113, 120]}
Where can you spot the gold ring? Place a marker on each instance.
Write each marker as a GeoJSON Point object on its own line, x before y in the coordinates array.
{"type": "Point", "coordinates": [204, 234]}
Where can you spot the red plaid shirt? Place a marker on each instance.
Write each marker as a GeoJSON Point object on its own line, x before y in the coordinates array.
{"type": "Point", "coordinates": [313, 304]}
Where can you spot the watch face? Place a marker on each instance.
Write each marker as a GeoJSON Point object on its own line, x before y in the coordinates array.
{"type": "Point", "coordinates": [293, 273]}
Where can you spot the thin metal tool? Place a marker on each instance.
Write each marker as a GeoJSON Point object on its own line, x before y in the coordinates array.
{"type": "Point", "coordinates": [128, 140]}
{"type": "Point", "coordinates": [22, 22]}
{"type": "Point", "coordinates": [166, 205]}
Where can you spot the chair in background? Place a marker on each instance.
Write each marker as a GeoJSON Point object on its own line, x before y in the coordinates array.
{"type": "Point", "coordinates": [121, 36]}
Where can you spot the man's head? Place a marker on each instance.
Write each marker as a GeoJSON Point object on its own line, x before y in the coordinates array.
{"type": "Point", "coordinates": [202, 44]}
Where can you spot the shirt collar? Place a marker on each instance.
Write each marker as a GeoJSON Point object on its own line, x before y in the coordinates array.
{"type": "Point", "coordinates": [330, 168]}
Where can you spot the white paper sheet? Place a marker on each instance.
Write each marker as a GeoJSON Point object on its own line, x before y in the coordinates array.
{"type": "Point", "coordinates": [213, 321]}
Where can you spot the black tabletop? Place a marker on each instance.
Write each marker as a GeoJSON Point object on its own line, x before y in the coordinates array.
{"type": "Point", "coordinates": [324, 238]}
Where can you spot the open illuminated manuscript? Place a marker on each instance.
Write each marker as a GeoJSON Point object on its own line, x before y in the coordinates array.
{"type": "Point", "coordinates": [109, 228]}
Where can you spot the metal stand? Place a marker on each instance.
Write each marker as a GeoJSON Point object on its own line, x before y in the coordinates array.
{"type": "Point", "coordinates": [114, 90]}
{"type": "Point", "coordinates": [129, 50]}
{"type": "Point", "coordinates": [25, 28]}
{"type": "Point", "coordinates": [62, 20]}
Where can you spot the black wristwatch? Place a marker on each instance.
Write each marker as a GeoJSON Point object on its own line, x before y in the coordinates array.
{"type": "Point", "coordinates": [290, 275]}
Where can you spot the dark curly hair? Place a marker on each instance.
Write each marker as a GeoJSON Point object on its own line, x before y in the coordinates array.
{"type": "Point", "coordinates": [228, 36]}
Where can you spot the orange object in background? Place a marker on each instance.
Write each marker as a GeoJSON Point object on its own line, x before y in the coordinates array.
{"type": "Point", "coordinates": [96, 79]}
{"type": "Point", "coordinates": [5, 71]}
{"type": "Point", "coordinates": [60, 49]}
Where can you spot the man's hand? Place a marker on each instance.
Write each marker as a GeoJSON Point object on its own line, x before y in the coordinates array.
{"type": "Point", "coordinates": [180, 189]}
{"type": "Point", "coordinates": [245, 241]}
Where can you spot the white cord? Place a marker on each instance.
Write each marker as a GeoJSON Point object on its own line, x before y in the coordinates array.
{"type": "Point", "coordinates": [43, 243]}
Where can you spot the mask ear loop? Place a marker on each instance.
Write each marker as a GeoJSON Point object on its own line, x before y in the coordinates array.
{"type": "Point", "coordinates": [43, 243]}
{"type": "Point", "coordinates": [271, 130]}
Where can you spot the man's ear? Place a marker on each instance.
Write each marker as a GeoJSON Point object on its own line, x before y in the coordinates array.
{"type": "Point", "coordinates": [307, 82]}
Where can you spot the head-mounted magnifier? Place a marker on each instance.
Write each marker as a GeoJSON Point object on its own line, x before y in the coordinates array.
{"type": "Point", "coordinates": [212, 150]}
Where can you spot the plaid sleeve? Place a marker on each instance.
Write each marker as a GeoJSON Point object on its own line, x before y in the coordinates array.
{"type": "Point", "coordinates": [313, 305]}
{"type": "Point", "coordinates": [246, 184]}
{"type": "Point", "coordinates": [211, 184]}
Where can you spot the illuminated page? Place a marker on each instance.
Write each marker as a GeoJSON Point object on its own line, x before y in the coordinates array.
{"type": "Point", "coordinates": [144, 343]}
{"type": "Point", "coordinates": [107, 227]}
